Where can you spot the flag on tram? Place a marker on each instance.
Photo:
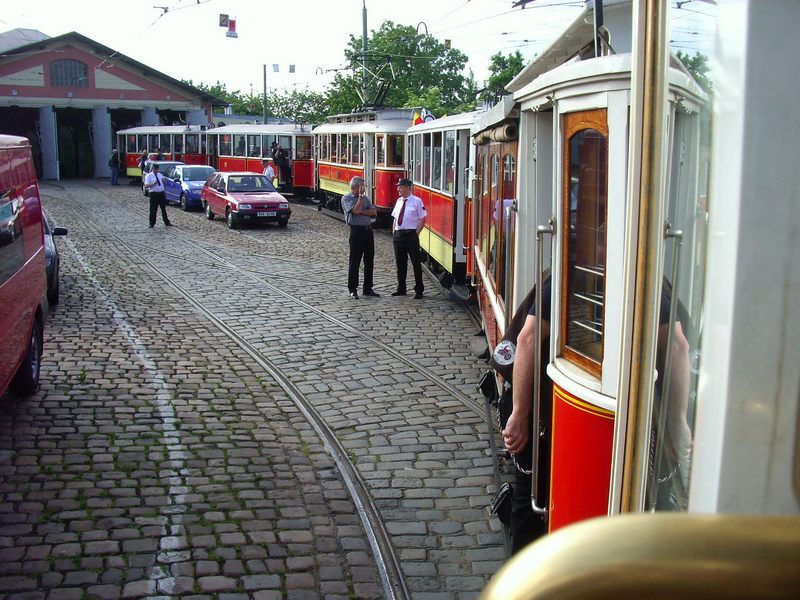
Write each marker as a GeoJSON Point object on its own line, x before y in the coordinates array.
{"type": "Point", "coordinates": [417, 118]}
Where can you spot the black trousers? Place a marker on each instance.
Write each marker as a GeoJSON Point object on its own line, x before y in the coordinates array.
{"type": "Point", "coordinates": [526, 525]}
{"type": "Point", "coordinates": [362, 245]}
{"type": "Point", "coordinates": [406, 245]}
{"type": "Point", "coordinates": [158, 200]}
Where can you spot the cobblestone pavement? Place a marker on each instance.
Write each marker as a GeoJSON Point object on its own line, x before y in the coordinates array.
{"type": "Point", "coordinates": [159, 460]}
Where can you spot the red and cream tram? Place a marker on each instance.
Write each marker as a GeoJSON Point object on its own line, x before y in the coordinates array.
{"type": "Point", "coordinates": [369, 144]}
{"type": "Point", "coordinates": [440, 153]}
{"type": "Point", "coordinates": [672, 343]}
{"type": "Point", "coordinates": [184, 143]}
{"type": "Point", "coordinates": [244, 147]}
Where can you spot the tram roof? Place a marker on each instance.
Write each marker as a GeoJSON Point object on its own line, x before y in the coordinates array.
{"type": "Point", "coordinates": [382, 126]}
{"type": "Point", "coordinates": [144, 129]}
{"type": "Point", "coordinates": [263, 128]}
{"type": "Point", "coordinates": [457, 121]}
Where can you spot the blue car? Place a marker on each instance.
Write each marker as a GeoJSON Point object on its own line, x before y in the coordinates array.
{"type": "Point", "coordinates": [184, 183]}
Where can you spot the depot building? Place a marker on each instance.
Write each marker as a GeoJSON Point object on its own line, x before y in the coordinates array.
{"type": "Point", "coordinates": [69, 94]}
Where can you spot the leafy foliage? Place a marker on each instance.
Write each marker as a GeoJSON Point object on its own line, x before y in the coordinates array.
{"type": "Point", "coordinates": [697, 65]}
{"type": "Point", "coordinates": [503, 68]}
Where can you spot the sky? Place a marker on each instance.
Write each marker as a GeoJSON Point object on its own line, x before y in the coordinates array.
{"type": "Point", "coordinates": [187, 42]}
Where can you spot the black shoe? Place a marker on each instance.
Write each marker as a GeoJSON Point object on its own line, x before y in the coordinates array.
{"type": "Point", "coordinates": [151, 226]}
{"type": "Point", "coordinates": [354, 295]}
{"type": "Point", "coordinates": [398, 293]}
{"type": "Point", "coordinates": [168, 224]}
{"type": "Point", "coordinates": [418, 296]}
{"type": "Point", "coordinates": [372, 293]}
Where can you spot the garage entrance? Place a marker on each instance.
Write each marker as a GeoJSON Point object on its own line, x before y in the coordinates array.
{"type": "Point", "coordinates": [24, 122]}
{"type": "Point", "coordinates": [75, 153]}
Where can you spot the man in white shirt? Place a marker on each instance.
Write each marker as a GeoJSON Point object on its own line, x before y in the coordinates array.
{"type": "Point", "coordinates": [154, 182]}
{"type": "Point", "coordinates": [268, 170]}
{"type": "Point", "coordinates": [409, 219]}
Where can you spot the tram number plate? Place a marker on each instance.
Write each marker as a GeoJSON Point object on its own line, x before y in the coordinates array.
{"type": "Point", "coordinates": [267, 214]}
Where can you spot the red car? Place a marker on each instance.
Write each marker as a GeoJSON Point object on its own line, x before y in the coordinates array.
{"type": "Point", "coordinates": [23, 282]}
{"type": "Point", "coordinates": [244, 198]}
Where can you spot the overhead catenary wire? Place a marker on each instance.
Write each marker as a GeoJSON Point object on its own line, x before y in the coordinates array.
{"type": "Point", "coordinates": [567, 4]}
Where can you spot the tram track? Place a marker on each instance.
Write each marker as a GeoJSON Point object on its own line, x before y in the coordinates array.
{"type": "Point", "coordinates": [386, 558]}
{"type": "Point", "coordinates": [424, 372]}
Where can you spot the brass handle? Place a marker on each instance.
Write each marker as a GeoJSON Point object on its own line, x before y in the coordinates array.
{"type": "Point", "coordinates": [541, 231]}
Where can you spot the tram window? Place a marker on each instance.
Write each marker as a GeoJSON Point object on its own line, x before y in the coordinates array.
{"type": "Point", "coordinates": [436, 160]}
{"type": "Point", "coordinates": [254, 146]}
{"type": "Point", "coordinates": [334, 148]}
{"type": "Point", "coordinates": [141, 143]}
{"type": "Point", "coordinates": [285, 142]}
{"type": "Point", "coordinates": [239, 145]}
{"type": "Point", "coordinates": [585, 248]}
{"type": "Point", "coordinates": [178, 142]}
{"type": "Point", "coordinates": [417, 159]}
{"type": "Point", "coordinates": [426, 159]}
{"type": "Point", "coordinates": [266, 143]}
{"type": "Point", "coordinates": [192, 146]}
{"type": "Point", "coordinates": [380, 149]}
{"type": "Point", "coordinates": [505, 266]}
{"type": "Point", "coordinates": [395, 150]}
{"type": "Point", "coordinates": [203, 143]}
{"type": "Point", "coordinates": [496, 214]}
{"type": "Point", "coordinates": [166, 143]}
{"type": "Point", "coordinates": [344, 150]}
{"type": "Point", "coordinates": [303, 150]}
{"type": "Point", "coordinates": [130, 143]}
{"type": "Point", "coordinates": [152, 142]}
{"type": "Point", "coordinates": [225, 145]}
{"type": "Point", "coordinates": [355, 145]}
{"type": "Point", "coordinates": [450, 161]}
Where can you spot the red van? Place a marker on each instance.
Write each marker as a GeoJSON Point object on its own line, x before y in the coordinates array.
{"type": "Point", "coordinates": [23, 282]}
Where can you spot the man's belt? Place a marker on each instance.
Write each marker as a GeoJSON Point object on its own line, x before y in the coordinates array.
{"type": "Point", "coordinates": [361, 226]}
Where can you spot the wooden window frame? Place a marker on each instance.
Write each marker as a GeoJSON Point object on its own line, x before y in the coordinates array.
{"type": "Point", "coordinates": [573, 123]}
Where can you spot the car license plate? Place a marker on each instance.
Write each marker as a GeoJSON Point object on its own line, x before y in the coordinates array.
{"type": "Point", "coordinates": [267, 214]}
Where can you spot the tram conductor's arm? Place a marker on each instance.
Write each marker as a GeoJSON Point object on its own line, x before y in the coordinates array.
{"type": "Point", "coordinates": [517, 431]}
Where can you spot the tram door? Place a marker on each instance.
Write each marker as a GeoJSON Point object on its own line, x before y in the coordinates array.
{"type": "Point", "coordinates": [211, 150]}
{"type": "Point", "coordinates": [584, 369]}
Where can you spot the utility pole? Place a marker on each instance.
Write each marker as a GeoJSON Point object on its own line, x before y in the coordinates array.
{"type": "Point", "coordinates": [264, 97]}
{"type": "Point", "coordinates": [364, 83]}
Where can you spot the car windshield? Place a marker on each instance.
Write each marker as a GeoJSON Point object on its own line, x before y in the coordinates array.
{"type": "Point", "coordinates": [249, 183]}
{"type": "Point", "coordinates": [197, 173]}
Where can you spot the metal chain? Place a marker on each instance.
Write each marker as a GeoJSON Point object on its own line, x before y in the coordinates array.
{"type": "Point", "coordinates": [527, 472]}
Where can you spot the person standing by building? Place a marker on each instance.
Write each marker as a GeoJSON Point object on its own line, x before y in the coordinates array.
{"type": "Point", "coordinates": [409, 219]}
{"type": "Point", "coordinates": [115, 163]}
{"type": "Point", "coordinates": [358, 213]}
{"type": "Point", "coordinates": [154, 182]}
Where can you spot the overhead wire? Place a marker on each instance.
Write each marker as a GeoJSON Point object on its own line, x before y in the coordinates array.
{"type": "Point", "coordinates": [568, 4]}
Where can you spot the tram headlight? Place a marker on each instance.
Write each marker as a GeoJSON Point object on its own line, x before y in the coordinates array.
{"type": "Point", "coordinates": [245, 206]}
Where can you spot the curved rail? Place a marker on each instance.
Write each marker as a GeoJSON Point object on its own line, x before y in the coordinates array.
{"type": "Point", "coordinates": [386, 558]}
{"type": "Point", "coordinates": [297, 301]}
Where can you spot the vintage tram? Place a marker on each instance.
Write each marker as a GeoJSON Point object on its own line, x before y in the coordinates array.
{"type": "Point", "coordinates": [670, 326]}
{"type": "Point", "coordinates": [184, 143]}
{"type": "Point", "coordinates": [244, 147]}
{"type": "Point", "coordinates": [368, 144]}
{"type": "Point", "coordinates": [439, 155]}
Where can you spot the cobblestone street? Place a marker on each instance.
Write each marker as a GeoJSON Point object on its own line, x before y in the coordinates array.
{"type": "Point", "coordinates": [218, 419]}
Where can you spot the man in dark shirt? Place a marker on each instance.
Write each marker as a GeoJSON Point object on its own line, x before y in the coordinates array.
{"type": "Point", "coordinates": [526, 526]}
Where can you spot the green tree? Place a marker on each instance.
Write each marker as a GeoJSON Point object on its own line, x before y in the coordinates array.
{"type": "Point", "coordinates": [502, 68]}
{"type": "Point", "coordinates": [302, 106]}
{"type": "Point", "coordinates": [697, 65]}
{"type": "Point", "coordinates": [414, 62]}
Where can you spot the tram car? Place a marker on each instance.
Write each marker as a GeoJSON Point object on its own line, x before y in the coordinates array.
{"type": "Point", "coordinates": [552, 209]}
{"type": "Point", "coordinates": [368, 144]}
{"type": "Point", "coordinates": [673, 343]}
{"type": "Point", "coordinates": [439, 154]}
{"type": "Point", "coordinates": [182, 143]}
{"type": "Point", "coordinates": [237, 148]}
